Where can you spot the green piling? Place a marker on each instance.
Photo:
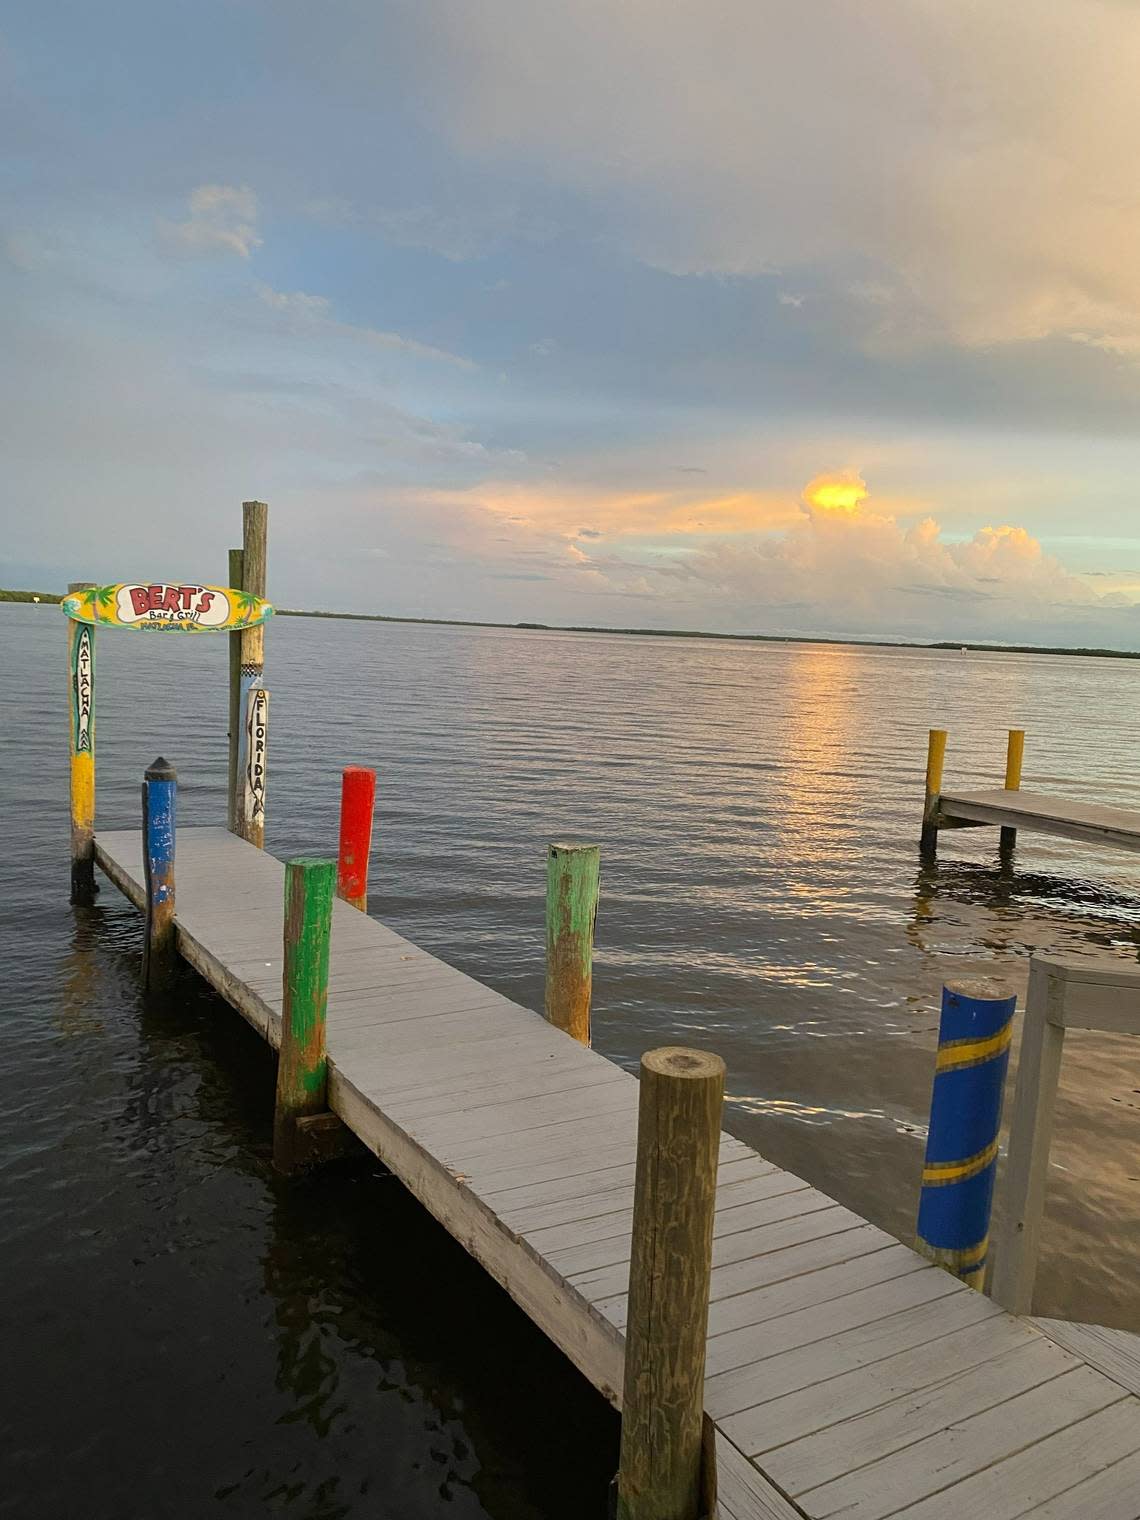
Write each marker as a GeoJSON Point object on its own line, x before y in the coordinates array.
{"type": "Point", "coordinates": [571, 908]}
{"type": "Point", "coordinates": [302, 1067]}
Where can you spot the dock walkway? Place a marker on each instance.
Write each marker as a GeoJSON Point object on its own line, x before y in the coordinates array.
{"type": "Point", "coordinates": [1090, 821]}
{"type": "Point", "coordinates": [845, 1374]}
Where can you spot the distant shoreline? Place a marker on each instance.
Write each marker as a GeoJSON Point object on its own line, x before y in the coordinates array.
{"type": "Point", "coordinates": [670, 633]}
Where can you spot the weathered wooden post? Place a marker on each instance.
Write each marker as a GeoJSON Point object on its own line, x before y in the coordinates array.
{"type": "Point", "coordinates": [302, 1068]}
{"type": "Point", "coordinates": [255, 520]}
{"type": "Point", "coordinates": [81, 687]}
{"type": "Point", "coordinates": [666, 1471]}
{"type": "Point", "coordinates": [1014, 752]}
{"type": "Point", "coordinates": [357, 806]}
{"type": "Point", "coordinates": [974, 1033]}
{"type": "Point", "coordinates": [159, 797]}
{"type": "Point", "coordinates": [571, 910]}
{"type": "Point", "coordinates": [236, 576]}
{"type": "Point", "coordinates": [253, 781]}
{"type": "Point", "coordinates": [935, 755]}
{"type": "Point", "coordinates": [1030, 1133]}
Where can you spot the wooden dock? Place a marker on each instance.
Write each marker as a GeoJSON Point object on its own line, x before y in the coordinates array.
{"type": "Point", "coordinates": [1010, 809]}
{"type": "Point", "coordinates": [1117, 828]}
{"type": "Point", "coordinates": [846, 1375]}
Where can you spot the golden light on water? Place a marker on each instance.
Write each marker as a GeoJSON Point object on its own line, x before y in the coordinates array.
{"type": "Point", "coordinates": [836, 493]}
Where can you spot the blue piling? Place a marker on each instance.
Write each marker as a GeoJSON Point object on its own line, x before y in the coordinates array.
{"type": "Point", "coordinates": [159, 796]}
{"type": "Point", "coordinates": [965, 1117]}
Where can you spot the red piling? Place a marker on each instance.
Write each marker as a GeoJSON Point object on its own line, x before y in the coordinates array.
{"type": "Point", "coordinates": [357, 801]}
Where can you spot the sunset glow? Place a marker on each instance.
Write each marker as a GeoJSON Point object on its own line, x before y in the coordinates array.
{"type": "Point", "coordinates": [836, 493]}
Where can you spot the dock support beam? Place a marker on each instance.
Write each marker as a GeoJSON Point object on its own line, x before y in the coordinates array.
{"type": "Point", "coordinates": [666, 1468]}
{"type": "Point", "coordinates": [974, 1033]}
{"type": "Point", "coordinates": [235, 580]}
{"type": "Point", "coordinates": [357, 805]}
{"type": "Point", "coordinates": [81, 686]}
{"type": "Point", "coordinates": [571, 911]}
{"type": "Point", "coordinates": [159, 798]}
{"type": "Point", "coordinates": [302, 1066]}
{"type": "Point", "coordinates": [935, 756]}
{"type": "Point", "coordinates": [1014, 752]}
{"type": "Point", "coordinates": [255, 529]}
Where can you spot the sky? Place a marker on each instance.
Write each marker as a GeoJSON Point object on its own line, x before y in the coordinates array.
{"type": "Point", "coordinates": [740, 315]}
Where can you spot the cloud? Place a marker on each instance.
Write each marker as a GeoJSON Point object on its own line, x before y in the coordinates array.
{"type": "Point", "coordinates": [956, 172]}
{"type": "Point", "coordinates": [311, 314]}
{"type": "Point", "coordinates": [845, 566]}
{"type": "Point", "coordinates": [223, 219]}
{"type": "Point", "coordinates": [833, 563]}
{"type": "Point", "coordinates": [614, 515]}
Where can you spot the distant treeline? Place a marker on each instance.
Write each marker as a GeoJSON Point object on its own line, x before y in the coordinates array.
{"type": "Point", "coordinates": [664, 633]}
{"type": "Point", "coordinates": [740, 638]}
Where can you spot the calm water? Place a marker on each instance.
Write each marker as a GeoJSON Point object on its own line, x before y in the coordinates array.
{"type": "Point", "coordinates": [193, 1338]}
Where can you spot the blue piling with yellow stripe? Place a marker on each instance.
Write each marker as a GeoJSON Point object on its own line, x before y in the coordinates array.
{"type": "Point", "coordinates": [159, 800]}
{"type": "Point", "coordinates": [965, 1117]}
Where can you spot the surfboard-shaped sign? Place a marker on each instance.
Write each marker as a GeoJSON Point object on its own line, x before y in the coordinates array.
{"type": "Point", "coordinates": [167, 604]}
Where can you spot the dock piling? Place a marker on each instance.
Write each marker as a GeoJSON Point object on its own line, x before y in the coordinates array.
{"type": "Point", "coordinates": [253, 781]}
{"type": "Point", "coordinates": [1014, 752]}
{"type": "Point", "coordinates": [81, 685]}
{"type": "Point", "coordinates": [235, 579]}
{"type": "Point", "coordinates": [974, 1034]}
{"type": "Point", "coordinates": [665, 1464]}
{"type": "Point", "coordinates": [159, 799]}
{"type": "Point", "coordinates": [357, 807]}
{"type": "Point", "coordinates": [935, 756]}
{"type": "Point", "coordinates": [302, 1066]}
{"type": "Point", "coordinates": [571, 911]}
{"type": "Point", "coordinates": [255, 527]}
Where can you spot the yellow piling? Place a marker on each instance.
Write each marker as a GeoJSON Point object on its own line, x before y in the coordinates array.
{"type": "Point", "coordinates": [935, 755]}
{"type": "Point", "coordinates": [1014, 752]}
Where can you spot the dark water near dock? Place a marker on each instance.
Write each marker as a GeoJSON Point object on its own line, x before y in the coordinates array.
{"type": "Point", "coordinates": [190, 1337]}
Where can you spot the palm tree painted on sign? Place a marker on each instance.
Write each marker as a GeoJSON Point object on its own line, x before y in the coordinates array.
{"type": "Point", "coordinates": [246, 606]}
{"type": "Point", "coordinates": [104, 597]}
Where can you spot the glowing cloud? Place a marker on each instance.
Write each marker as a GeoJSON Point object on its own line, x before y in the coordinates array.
{"type": "Point", "coordinates": [836, 493]}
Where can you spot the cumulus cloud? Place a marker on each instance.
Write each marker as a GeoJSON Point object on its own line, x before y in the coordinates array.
{"type": "Point", "coordinates": [222, 219]}
{"type": "Point", "coordinates": [311, 314]}
{"type": "Point", "coordinates": [964, 172]}
{"type": "Point", "coordinates": [854, 568]}
{"type": "Point", "coordinates": [832, 563]}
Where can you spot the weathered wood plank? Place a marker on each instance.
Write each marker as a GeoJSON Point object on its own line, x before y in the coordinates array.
{"type": "Point", "coordinates": [584, 1253]}
{"type": "Point", "coordinates": [764, 1263]}
{"type": "Point", "coordinates": [739, 1207]}
{"type": "Point", "coordinates": [740, 1352]}
{"type": "Point", "coordinates": [745, 1494]}
{"type": "Point", "coordinates": [1052, 1469]}
{"type": "Point", "coordinates": [864, 1345]}
{"type": "Point", "coordinates": [836, 1402]}
{"type": "Point", "coordinates": [824, 1455]}
{"type": "Point", "coordinates": [886, 1486]}
{"type": "Point", "coordinates": [1116, 1353]}
{"type": "Point", "coordinates": [1105, 1496]}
